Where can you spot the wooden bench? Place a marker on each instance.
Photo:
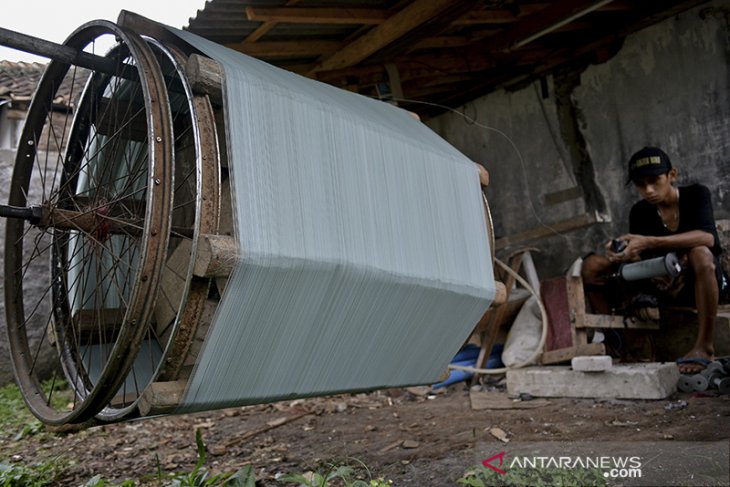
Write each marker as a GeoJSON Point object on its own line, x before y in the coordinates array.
{"type": "Point", "coordinates": [569, 320]}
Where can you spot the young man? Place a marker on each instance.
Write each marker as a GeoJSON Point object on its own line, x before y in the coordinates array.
{"type": "Point", "coordinates": [669, 218]}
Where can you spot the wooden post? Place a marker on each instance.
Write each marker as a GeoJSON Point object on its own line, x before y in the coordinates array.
{"type": "Point", "coordinates": [205, 76]}
{"type": "Point", "coordinates": [217, 255]}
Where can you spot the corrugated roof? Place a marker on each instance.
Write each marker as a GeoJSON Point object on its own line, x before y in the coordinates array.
{"type": "Point", "coordinates": [442, 51]}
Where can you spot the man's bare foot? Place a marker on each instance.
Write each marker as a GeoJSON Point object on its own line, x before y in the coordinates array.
{"type": "Point", "coordinates": [694, 361]}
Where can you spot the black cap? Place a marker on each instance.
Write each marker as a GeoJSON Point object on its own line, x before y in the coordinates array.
{"type": "Point", "coordinates": [649, 161]}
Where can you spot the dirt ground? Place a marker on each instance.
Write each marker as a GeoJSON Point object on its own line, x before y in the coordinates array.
{"type": "Point", "coordinates": [411, 438]}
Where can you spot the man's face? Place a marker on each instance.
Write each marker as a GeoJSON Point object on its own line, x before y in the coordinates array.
{"type": "Point", "coordinates": [655, 189]}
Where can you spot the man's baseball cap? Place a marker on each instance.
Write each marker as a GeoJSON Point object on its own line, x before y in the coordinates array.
{"type": "Point", "coordinates": [649, 161]}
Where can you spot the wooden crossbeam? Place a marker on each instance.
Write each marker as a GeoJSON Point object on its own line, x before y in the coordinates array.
{"type": "Point", "coordinates": [314, 15]}
{"type": "Point", "coordinates": [371, 16]}
{"type": "Point", "coordinates": [432, 65]}
{"type": "Point", "coordinates": [537, 23]}
{"type": "Point", "coordinates": [265, 27]}
{"type": "Point", "coordinates": [271, 49]}
{"type": "Point", "coordinates": [396, 26]}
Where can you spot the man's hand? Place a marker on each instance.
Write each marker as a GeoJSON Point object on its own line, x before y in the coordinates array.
{"type": "Point", "coordinates": [635, 244]}
{"type": "Point", "coordinates": [483, 175]}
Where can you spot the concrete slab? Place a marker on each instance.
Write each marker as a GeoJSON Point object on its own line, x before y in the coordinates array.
{"type": "Point", "coordinates": [591, 363]}
{"type": "Point", "coordinates": [624, 381]}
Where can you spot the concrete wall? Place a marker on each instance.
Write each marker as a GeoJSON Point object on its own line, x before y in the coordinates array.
{"type": "Point", "coordinates": [35, 286]}
{"type": "Point", "coordinates": [7, 159]}
{"type": "Point", "coordinates": [668, 85]}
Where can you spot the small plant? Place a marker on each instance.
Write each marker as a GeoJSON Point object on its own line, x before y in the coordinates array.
{"type": "Point", "coordinates": [98, 481]}
{"type": "Point", "coordinates": [200, 477]}
{"type": "Point", "coordinates": [317, 479]}
{"type": "Point", "coordinates": [31, 428]}
{"type": "Point", "coordinates": [16, 420]}
{"type": "Point", "coordinates": [15, 475]}
{"type": "Point", "coordinates": [554, 477]}
{"type": "Point", "coordinates": [343, 474]}
{"type": "Point", "coordinates": [14, 416]}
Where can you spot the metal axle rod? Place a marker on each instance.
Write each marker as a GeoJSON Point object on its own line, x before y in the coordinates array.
{"type": "Point", "coordinates": [84, 221]}
{"type": "Point", "coordinates": [57, 52]}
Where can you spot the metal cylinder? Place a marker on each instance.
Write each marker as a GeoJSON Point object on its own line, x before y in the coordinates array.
{"type": "Point", "coordinates": [667, 265]}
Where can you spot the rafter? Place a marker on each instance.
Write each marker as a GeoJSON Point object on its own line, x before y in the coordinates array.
{"type": "Point", "coordinates": [262, 29]}
{"type": "Point", "coordinates": [272, 49]}
{"type": "Point", "coordinates": [396, 26]}
{"type": "Point", "coordinates": [314, 15]}
{"type": "Point", "coordinates": [545, 21]}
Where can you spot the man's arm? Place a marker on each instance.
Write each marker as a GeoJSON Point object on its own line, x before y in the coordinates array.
{"type": "Point", "coordinates": [636, 244]}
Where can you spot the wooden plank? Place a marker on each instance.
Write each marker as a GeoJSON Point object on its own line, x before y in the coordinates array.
{"type": "Point", "coordinates": [614, 321]}
{"type": "Point", "coordinates": [576, 305]}
{"type": "Point", "coordinates": [501, 293]}
{"type": "Point", "coordinates": [161, 398]}
{"type": "Point", "coordinates": [564, 195]}
{"type": "Point", "coordinates": [274, 49]}
{"type": "Point", "coordinates": [371, 16]}
{"type": "Point", "coordinates": [497, 16]}
{"type": "Point", "coordinates": [555, 299]}
{"type": "Point", "coordinates": [266, 26]}
{"type": "Point", "coordinates": [396, 90]}
{"type": "Point", "coordinates": [565, 354]}
{"type": "Point", "coordinates": [216, 257]}
{"type": "Point", "coordinates": [496, 320]}
{"type": "Point", "coordinates": [121, 118]}
{"type": "Point", "coordinates": [95, 326]}
{"type": "Point", "coordinates": [396, 26]}
{"type": "Point", "coordinates": [205, 76]}
{"type": "Point", "coordinates": [201, 332]}
{"type": "Point", "coordinates": [443, 42]}
{"type": "Point", "coordinates": [172, 286]}
{"type": "Point", "coordinates": [221, 283]}
{"type": "Point", "coordinates": [566, 225]}
{"type": "Point", "coordinates": [145, 26]}
{"type": "Point", "coordinates": [318, 15]}
{"type": "Point", "coordinates": [225, 225]}
{"type": "Point", "coordinates": [544, 21]}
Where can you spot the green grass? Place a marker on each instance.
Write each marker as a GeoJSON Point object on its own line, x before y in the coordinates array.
{"type": "Point", "coordinates": [535, 477]}
{"type": "Point", "coordinates": [16, 421]}
{"type": "Point", "coordinates": [15, 475]}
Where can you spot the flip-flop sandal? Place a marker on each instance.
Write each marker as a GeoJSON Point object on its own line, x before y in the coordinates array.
{"type": "Point", "coordinates": [694, 360]}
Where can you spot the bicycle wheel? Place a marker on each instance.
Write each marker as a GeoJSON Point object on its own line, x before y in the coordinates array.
{"type": "Point", "coordinates": [97, 237]}
{"type": "Point", "coordinates": [181, 296]}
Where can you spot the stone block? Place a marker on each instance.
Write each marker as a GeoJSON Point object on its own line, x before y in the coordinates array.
{"type": "Point", "coordinates": [591, 363]}
{"type": "Point", "coordinates": [626, 381]}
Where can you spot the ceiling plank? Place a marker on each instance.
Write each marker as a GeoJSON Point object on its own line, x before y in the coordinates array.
{"type": "Point", "coordinates": [396, 26]}
{"type": "Point", "coordinates": [610, 39]}
{"type": "Point", "coordinates": [272, 49]}
{"type": "Point", "coordinates": [371, 16]}
{"type": "Point", "coordinates": [312, 15]}
{"type": "Point", "coordinates": [497, 15]}
{"type": "Point", "coordinates": [544, 21]}
{"type": "Point", "coordinates": [262, 29]}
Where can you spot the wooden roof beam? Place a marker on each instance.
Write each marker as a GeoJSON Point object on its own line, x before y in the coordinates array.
{"type": "Point", "coordinates": [272, 49]}
{"type": "Point", "coordinates": [415, 14]}
{"type": "Point", "coordinates": [372, 16]}
{"type": "Point", "coordinates": [496, 16]}
{"type": "Point", "coordinates": [313, 15]}
{"type": "Point", "coordinates": [265, 27]}
{"type": "Point", "coordinates": [544, 21]}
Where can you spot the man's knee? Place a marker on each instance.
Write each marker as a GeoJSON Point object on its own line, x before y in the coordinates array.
{"type": "Point", "coordinates": [595, 268]}
{"type": "Point", "coordinates": [701, 260]}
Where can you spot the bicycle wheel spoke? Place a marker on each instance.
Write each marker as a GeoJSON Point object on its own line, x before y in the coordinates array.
{"type": "Point", "coordinates": [92, 300]}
